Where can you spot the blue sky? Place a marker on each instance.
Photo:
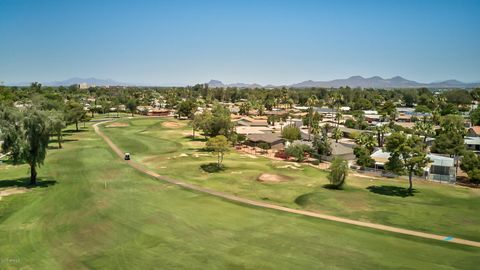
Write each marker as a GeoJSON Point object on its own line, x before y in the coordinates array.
{"type": "Point", "coordinates": [278, 42]}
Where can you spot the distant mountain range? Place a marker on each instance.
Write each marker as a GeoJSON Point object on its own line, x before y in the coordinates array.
{"type": "Point", "coordinates": [358, 81]}
{"type": "Point", "coordinates": [71, 81]}
{"type": "Point", "coordinates": [354, 81]}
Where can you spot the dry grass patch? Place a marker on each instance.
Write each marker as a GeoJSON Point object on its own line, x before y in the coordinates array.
{"type": "Point", "coordinates": [12, 191]}
{"type": "Point", "coordinates": [170, 124]}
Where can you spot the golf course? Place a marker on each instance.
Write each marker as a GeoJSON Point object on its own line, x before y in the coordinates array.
{"type": "Point", "coordinates": [91, 210]}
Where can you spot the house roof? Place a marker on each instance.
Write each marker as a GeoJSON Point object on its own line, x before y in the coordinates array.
{"type": "Point", "coordinates": [252, 130]}
{"type": "Point", "coordinates": [340, 148]}
{"type": "Point", "coordinates": [381, 156]}
{"type": "Point", "coordinates": [472, 140]}
{"type": "Point", "coordinates": [266, 137]}
{"type": "Point", "coordinates": [475, 130]}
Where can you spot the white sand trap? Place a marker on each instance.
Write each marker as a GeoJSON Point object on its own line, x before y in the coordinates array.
{"type": "Point", "coordinates": [183, 155]}
{"type": "Point", "coordinates": [250, 156]}
{"type": "Point", "coordinates": [117, 125]}
{"type": "Point", "coordinates": [289, 166]}
{"type": "Point", "coordinates": [273, 178]}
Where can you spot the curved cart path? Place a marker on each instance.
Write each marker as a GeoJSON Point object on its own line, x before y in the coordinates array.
{"type": "Point", "coordinates": [237, 199]}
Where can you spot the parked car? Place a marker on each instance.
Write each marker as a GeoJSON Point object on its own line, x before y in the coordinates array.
{"type": "Point", "coordinates": [127, 156]}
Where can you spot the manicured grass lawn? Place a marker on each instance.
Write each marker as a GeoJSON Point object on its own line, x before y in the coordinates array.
{"type": "Point", "coordinates": [98, 212]}
{"type": "Point", "coordinates": [436, 208]}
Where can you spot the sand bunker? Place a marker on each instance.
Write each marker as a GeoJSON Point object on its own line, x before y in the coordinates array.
{"type": "Point", "coordinates": [117, 125]}
{"type": "Point", "coordinates": [172, 125]}
{"type": "Point", "coordinates": [273, 178]}
{"type": "Point", "coordinates": [11, 191]}
{"type": "Point", "coordinates": [293, 166]}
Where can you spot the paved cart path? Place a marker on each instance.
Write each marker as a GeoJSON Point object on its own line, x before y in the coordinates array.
{"type": "Point", "coordinates": [234, 198]}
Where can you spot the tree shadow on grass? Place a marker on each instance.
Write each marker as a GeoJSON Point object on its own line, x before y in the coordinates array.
{"type": "Point", "coordinates": [212, 167]}
{"type": "Point", "coordinates": [332, 187]}
{"type": "Point", "coordinates": [69, 131]}
{"type": "Point", "coordinates": [392, 191]}
{"type": "Point", "coordinates": [8, 161]}
{"type": "Point", "coordinates": [196, 139]}
{"type": "Point", "coordinates": [25, 183]}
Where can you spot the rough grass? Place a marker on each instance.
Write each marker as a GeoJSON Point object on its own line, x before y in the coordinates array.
{"type": "Point", "coordinates": [436, 208]}
{"type": "Point", "coordinates": [102, 214]}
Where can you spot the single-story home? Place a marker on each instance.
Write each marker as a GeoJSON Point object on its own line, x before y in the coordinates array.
{"type": "Point", "coordinates": [440, 168]}
{"type": "Point", "coordinates": [473, 143]}
{"type": "Point", "coordinates": [274, 140]}
{"type": "Point", "coordinates": [342, 150]}
{"type": "Point", "coordinates": [246, 130]}
{"type": "Point", "coordinates": [250, 122]}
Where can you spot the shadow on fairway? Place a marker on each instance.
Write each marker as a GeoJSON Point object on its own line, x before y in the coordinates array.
{"type": "Point", "coordinates": [25, 182]}
{"type": "Point", "coordinates": [332, 187]}
{"type": "Point", "coordinates": [80, 129]}
{"type": "Point", "coordinates": [196, 139]}
{"type": "Point", "coordinates": [392, 191]}
{"type": "Point", "coordinates": [212, 167]}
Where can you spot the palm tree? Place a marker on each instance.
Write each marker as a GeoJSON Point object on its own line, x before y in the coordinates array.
{"type": "Point", "coordinates": [337, 134]}
{"type": "Point", "coordinates": [312, 101]}
{"type": "Point", "coordinates": [425, 129]}
{"type": "Point", "coordinates": [367, 140]}
{"type": "Point", "coordinates": [381, 131]}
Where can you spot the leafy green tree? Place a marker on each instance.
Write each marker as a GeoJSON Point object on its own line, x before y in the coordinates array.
{"type": "Point", "coordinates": [57, 124]}
{"type": "Point", "coordinates": [338, 172]}
{"type": "Point", "coordinates": [27, 138]}
{"type": "Point", "coordinates": [388, 111]}
{"type": "Point", "coordinates": [475, 117]}
{"type": "Point", "coordinates": [132, 105]}
{"type": "Point", "coordinates": [450, 139]}
{"type": "Point", "coordinates": [291, 133]}
{"type": "Point", "coordinates": [187, 108]}
{"type": "Point", "coordinates": [471, 165]}
{"type": "Point", "coordinates": [407, 152]}
{"type": "Point", "coordinates": [218, 122]}
{"type": "Point", "coordinates": [220, 145]}
{"type": "Point", "coordinates": [74, 113]}
{"type": "Point", "coordinates": [363, 156]}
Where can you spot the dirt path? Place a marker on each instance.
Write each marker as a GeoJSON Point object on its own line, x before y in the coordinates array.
{"type": "Point", "coordinates": [234, 198]}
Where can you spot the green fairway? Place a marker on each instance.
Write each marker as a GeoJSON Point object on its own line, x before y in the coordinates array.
{"type": "Point", "coordinates": [97, 212]}
{"type": "Point", "coordinates": [435, 208]}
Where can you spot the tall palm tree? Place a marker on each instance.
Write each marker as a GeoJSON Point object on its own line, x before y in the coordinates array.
{"type": "Point", "coordinates": [311, 102]}
{"type": "Point", "coordinates": [381, 130]}
{"type": "Point", "coordinates": [337, 134]}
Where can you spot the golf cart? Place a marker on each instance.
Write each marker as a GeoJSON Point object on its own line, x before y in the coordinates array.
{"type": "Point", "coordinates": [127, 156]}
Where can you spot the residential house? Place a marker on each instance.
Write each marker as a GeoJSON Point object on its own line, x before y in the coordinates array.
{"type": "Point", "coordinates": [473, 143]}
{"type": "Point", "coordinates": [474, 131]}
{"type": "Point", "coordinates": [440, 168]}
{"type": "Point", "coordinates": [274, 140]}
